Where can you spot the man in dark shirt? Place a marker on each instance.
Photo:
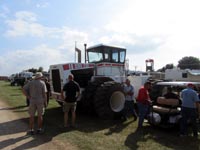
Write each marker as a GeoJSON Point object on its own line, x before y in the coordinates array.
{"type": "Point", "coordinates": [170, 94]}
{"type": "Point", "coordinates": [72, 91]}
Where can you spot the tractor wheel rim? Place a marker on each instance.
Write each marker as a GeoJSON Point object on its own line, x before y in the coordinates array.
{"type": "Point", "coordinates": [117, 101]}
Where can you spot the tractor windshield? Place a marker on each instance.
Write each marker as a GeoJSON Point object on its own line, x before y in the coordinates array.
{"type": "Point", "coordinates": [95, 57]}
{"type": "Point", "coordinates": [104, 53]}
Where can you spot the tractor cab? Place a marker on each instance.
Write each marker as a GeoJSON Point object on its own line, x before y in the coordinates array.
{"type": "Point", "coordinates": [109, 54]}
{"type": "Point", "coordinates": [108, 60]}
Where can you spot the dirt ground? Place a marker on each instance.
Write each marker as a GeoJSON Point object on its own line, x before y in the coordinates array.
{"type": "Point", "coordinates": [13, 134]}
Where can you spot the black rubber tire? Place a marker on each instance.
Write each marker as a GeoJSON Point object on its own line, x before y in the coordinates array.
{"type": "Point", "coordinates": [87, 101]}
{"type": "Point", "coordinates": [102, 100]}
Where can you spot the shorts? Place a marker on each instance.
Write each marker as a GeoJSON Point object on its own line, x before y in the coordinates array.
{"type": "Point", "coordinates": [38, 107]}
{"type": "Point", "coordinates": [69, 106]}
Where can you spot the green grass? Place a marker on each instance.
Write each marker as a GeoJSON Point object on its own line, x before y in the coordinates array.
{"type": "Point", "coordinates": [93, 133]}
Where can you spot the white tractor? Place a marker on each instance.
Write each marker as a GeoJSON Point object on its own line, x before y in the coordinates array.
{"type": "Point", "coordinates": [100, 79]}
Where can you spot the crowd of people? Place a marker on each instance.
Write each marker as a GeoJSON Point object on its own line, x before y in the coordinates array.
{"type": "Point", "coordinates": [37, 92]}
{"type": "Point", "coordinates": [189, 100]}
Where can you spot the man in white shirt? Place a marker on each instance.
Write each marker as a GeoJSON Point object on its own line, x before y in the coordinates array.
{"type": "Point", "coordinates": [129, 100]}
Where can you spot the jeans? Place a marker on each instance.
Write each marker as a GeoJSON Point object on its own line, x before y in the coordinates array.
{"type": "Point", "coordinates": [188, 114]}
{"type": "Point", "coordinates": [143, 111]}
{"type": "Point", "coordinates": [129, 106]}
{"type": "Point", "coordinates": [27, 102]}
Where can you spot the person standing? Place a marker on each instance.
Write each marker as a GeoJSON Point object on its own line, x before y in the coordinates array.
{"type": "Point", "coordinates": [72, 91]}
{"type": "Point", "coordinates": [48, 89]}
{"type": "Point", "coordinates": [35, 91]}
{"type": "Point", "coordinates": [190, 102]}
{"type": "Point", "coordinates": [27, 100]}
{"type": "Point", "coordinates": [143, 102]}
{"type": "Point", "coordinates": [129, 100]}
{"type": "Point", "coordinates": [198, 106]}
{"type": "Point", "coordinates": [170, 94]}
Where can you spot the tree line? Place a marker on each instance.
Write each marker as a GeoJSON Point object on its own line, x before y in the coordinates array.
{"type": "Point", "coordinates": [34, 70]}
{"type": "Point", "coordinates": [188, 62]}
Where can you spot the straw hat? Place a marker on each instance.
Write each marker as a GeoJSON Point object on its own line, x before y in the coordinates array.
{"type": "Point", "coordinates": [38, 75]}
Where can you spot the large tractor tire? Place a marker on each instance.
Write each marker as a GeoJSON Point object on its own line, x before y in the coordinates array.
{"type": "Point", "coordinates": [87, 99]}
{"type": "Point", "coordinates": [109, 100]}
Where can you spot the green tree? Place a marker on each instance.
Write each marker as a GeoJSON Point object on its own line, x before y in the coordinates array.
{"type": "Point", "coordinates": [32, 70]}
{"type": "Point", "coordinates": [40, 69]}
{"type": "Point", "coordinates": [189, 62]}
{"type": "Point", "coordinates": [168, 66]}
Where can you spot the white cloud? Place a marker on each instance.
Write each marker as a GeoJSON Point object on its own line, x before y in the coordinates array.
{"type": "Point", "coordinates": [23, 25]}
{"type": "Point", "coordinates": [23, 28]}
{"type": "Point", "coordinates": [26, 24]}
{"type": "Point", "coordinates": [41, 56]}
{"type": "Point", "coordinates": [170, 27]}
{"type": "Point", "coordinates": [135, 44]}
{"type": "Point", "coordinates": [145, 17]}
{"type": "Point", "coordinates": [70, 36]}
{"type": "Point", "coordinates": [42, 5]}
{"type": "Point", "coordinates": [26, 16]}
{"type": "Point", "coordinates": [121, 38]}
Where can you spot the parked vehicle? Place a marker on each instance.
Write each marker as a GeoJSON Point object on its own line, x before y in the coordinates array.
{"type": "Point", "coordinates": [165, 112]}
{"type": "Point", "coordinates": [100, 79]}
{"type": "Point", "coordinates": [19, 79]}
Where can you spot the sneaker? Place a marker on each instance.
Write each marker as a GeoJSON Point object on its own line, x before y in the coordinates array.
{"type": "Point", "coordinates": [40, 131]}
{"type": "Point", "coordinates": [182, 135]}
{"type": "Point", "coordinates": [31, 132]}
{"type": "Point", "coordinates": [66, 126]}
{"type": "Point", "coordinates": [73, 126]}
{"type": "Point", "coordinates": [195, 135]}
{"type": "Point", "coordinates": [135, 117]}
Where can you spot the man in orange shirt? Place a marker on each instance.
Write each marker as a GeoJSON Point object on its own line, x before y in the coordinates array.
{"type": "Point", "coordinates": [143, 102]}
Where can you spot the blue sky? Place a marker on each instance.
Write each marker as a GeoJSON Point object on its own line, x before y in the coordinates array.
{"type": "Point", "coordinates": [43, 32]}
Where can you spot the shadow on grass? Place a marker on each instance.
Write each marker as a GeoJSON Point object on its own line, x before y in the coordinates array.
{"type": "Point", "coordinates": [118, 127]}
{"type": "Point", "coordinates": [53, 118]}
{"type": "Point", "coordinates": [53, 125]}
{"type": "Point", "coordinates": [12, 128]}
{"type": "Point", "coordinates": [13, 108]}
{"type": "Point", "coordinates": [166, 139]}
{"type": "Point", "coordinates": [85, 123]}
